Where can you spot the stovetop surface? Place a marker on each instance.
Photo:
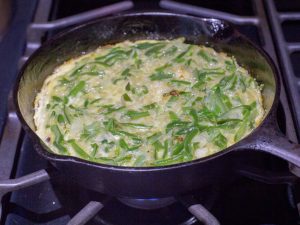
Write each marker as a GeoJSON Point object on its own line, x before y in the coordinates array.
{"type": "Point", "coordinates": [244, 202]}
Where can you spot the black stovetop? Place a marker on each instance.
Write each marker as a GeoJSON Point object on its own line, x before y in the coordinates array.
{"type": "Point", "coordinates": [244, 202]}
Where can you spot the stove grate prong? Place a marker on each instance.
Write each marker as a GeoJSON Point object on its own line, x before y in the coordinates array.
{"type": "Point", "coordinates": [86, 214]}
{"type": "Point", "coordinates": [200, 11]}
{"type": "Point", "coordinates": [21, 182]}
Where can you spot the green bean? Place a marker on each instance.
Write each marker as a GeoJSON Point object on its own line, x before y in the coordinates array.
{"type": "Point", "coordinates": [95, 148]}
{"type": "Point", "coordinates": [113, 56]}
{"type": "Point", "coordinates": [60, 118]}
{"type": "Point", "coordinates": [57, 99]}
{"type": "Point", "coordinates": [95, 100]}
{"type": "Point", "coordinates": [90, 131]}
{"type": "Point", "coordinates": [140, 90]}
{"type": "Point", "coordinates": [221, 141]}
{"type": "Point", "coordinates": [236, 113]}
{"type": "Point", "coordinates": [136, 125]}
{"type": "Point", "coordinates": [155, 49]}
{"type": "Point", "coordinates": [57, 134]}
{"type": "Point", "coordinates": [215, 102]}
{"type": "Point", "coordinates": [150, 106]}
{"type": "Point", "coordinates": [194, 115]}
{"type": "Point", "coordinates": [187, 142]}
{"type": "Point", "coordinates": [206, 57]}
{"type": "Point", "coordinates": [111, 109]}
{"type": "Point", "coordinates": [154, 137]}
{"type": "Point", "coordinates": [242, 130]}
{"type": "Point", "coordinates": [125, 146]}
{"type": "Point", "coordinates": [136, 114]}
{"type": "Point", "coordinates": [173, 116]}
{"type": "Point", "coordinates": [126, 98]}
{"type": "Point", "coordinates": [157, 147]}
{"type": "Point", "coordinates": [181, 82]}
{"type": "Point", "coordinates": [126, 73]}
{"type": "Point", "coordinates": [228, 82]}
{"type": "Point", "coordinates": [171, 100]}
{"type": "Point", "coordinates": [133, 137]}
{"type": "Point", "coordinates": [171, 50]}
{"type": "Point", "coordinates": [161, 76]}
{"type": "Point", "coordinates": [178, 148]}
{"type": "Point", "coordinates": [79, 150]}
{"type": "Point", "coordinates": [66, 114]}
{"type": "Point", "coordinates": [162, 68]}
{"type": "Point", "coordinates": [179, 58]}
{"type": "Point", "coordinates": [110, 125]}
{"type": "Point", "coordinates": [104, 160]}
{"type": "Point", "coordinates": [186, 129]}
{"type": "Point", "coordinates": [172, 160]}
{"type": "Point", "coordinates": [123, 159]}
{"type": "Point", "coordinates": [58, 139]}
{"type": "Point", "coordinates": [146, 45]}
{"type": "Point", "coordinates": [127, 88]}
{"type": "Point", "coordinates": [139, 161]}
{"type": "Point", "coordinates": [230, 66]}
{"type": "Point", "coordinates": [176, 124]}
{"type": "Point", "coordinates": [79, 87]}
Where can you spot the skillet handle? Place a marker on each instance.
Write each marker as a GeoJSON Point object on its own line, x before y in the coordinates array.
{"type": "Point", "coordinates": [273, 141]}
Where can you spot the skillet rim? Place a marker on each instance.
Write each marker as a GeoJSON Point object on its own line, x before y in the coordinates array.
{"type": "Point", "coordinates": [71, 159]}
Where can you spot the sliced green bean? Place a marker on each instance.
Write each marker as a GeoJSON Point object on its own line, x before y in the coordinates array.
{"type": "Point", "coordinates": [126, 98]}
{"type": "Point", "coordinates": [79, 150]}
{"type": "Point", "coordinates": [78, 88]}
{"type": "Point", "coordinates": [134, 115]}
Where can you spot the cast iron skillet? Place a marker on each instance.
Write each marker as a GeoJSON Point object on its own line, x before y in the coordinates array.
{"type": "Point", "coordinates": [167, 180]}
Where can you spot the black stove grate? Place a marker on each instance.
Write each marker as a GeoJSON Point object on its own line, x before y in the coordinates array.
{"type": "Point", "coordinates": [245, 202]}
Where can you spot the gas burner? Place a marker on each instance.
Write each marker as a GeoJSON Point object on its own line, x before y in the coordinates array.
{"type": "Point", "coordinates": [148, 204]}
{"type": "Point", "coordinates": [173, 214]}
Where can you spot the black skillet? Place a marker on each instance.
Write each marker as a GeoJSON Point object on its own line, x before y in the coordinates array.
{"type": "Point", "coordinates": [167, 180]}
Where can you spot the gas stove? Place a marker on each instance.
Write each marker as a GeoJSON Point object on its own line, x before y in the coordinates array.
{"type": "Point", "coordinates": [263, 194]}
